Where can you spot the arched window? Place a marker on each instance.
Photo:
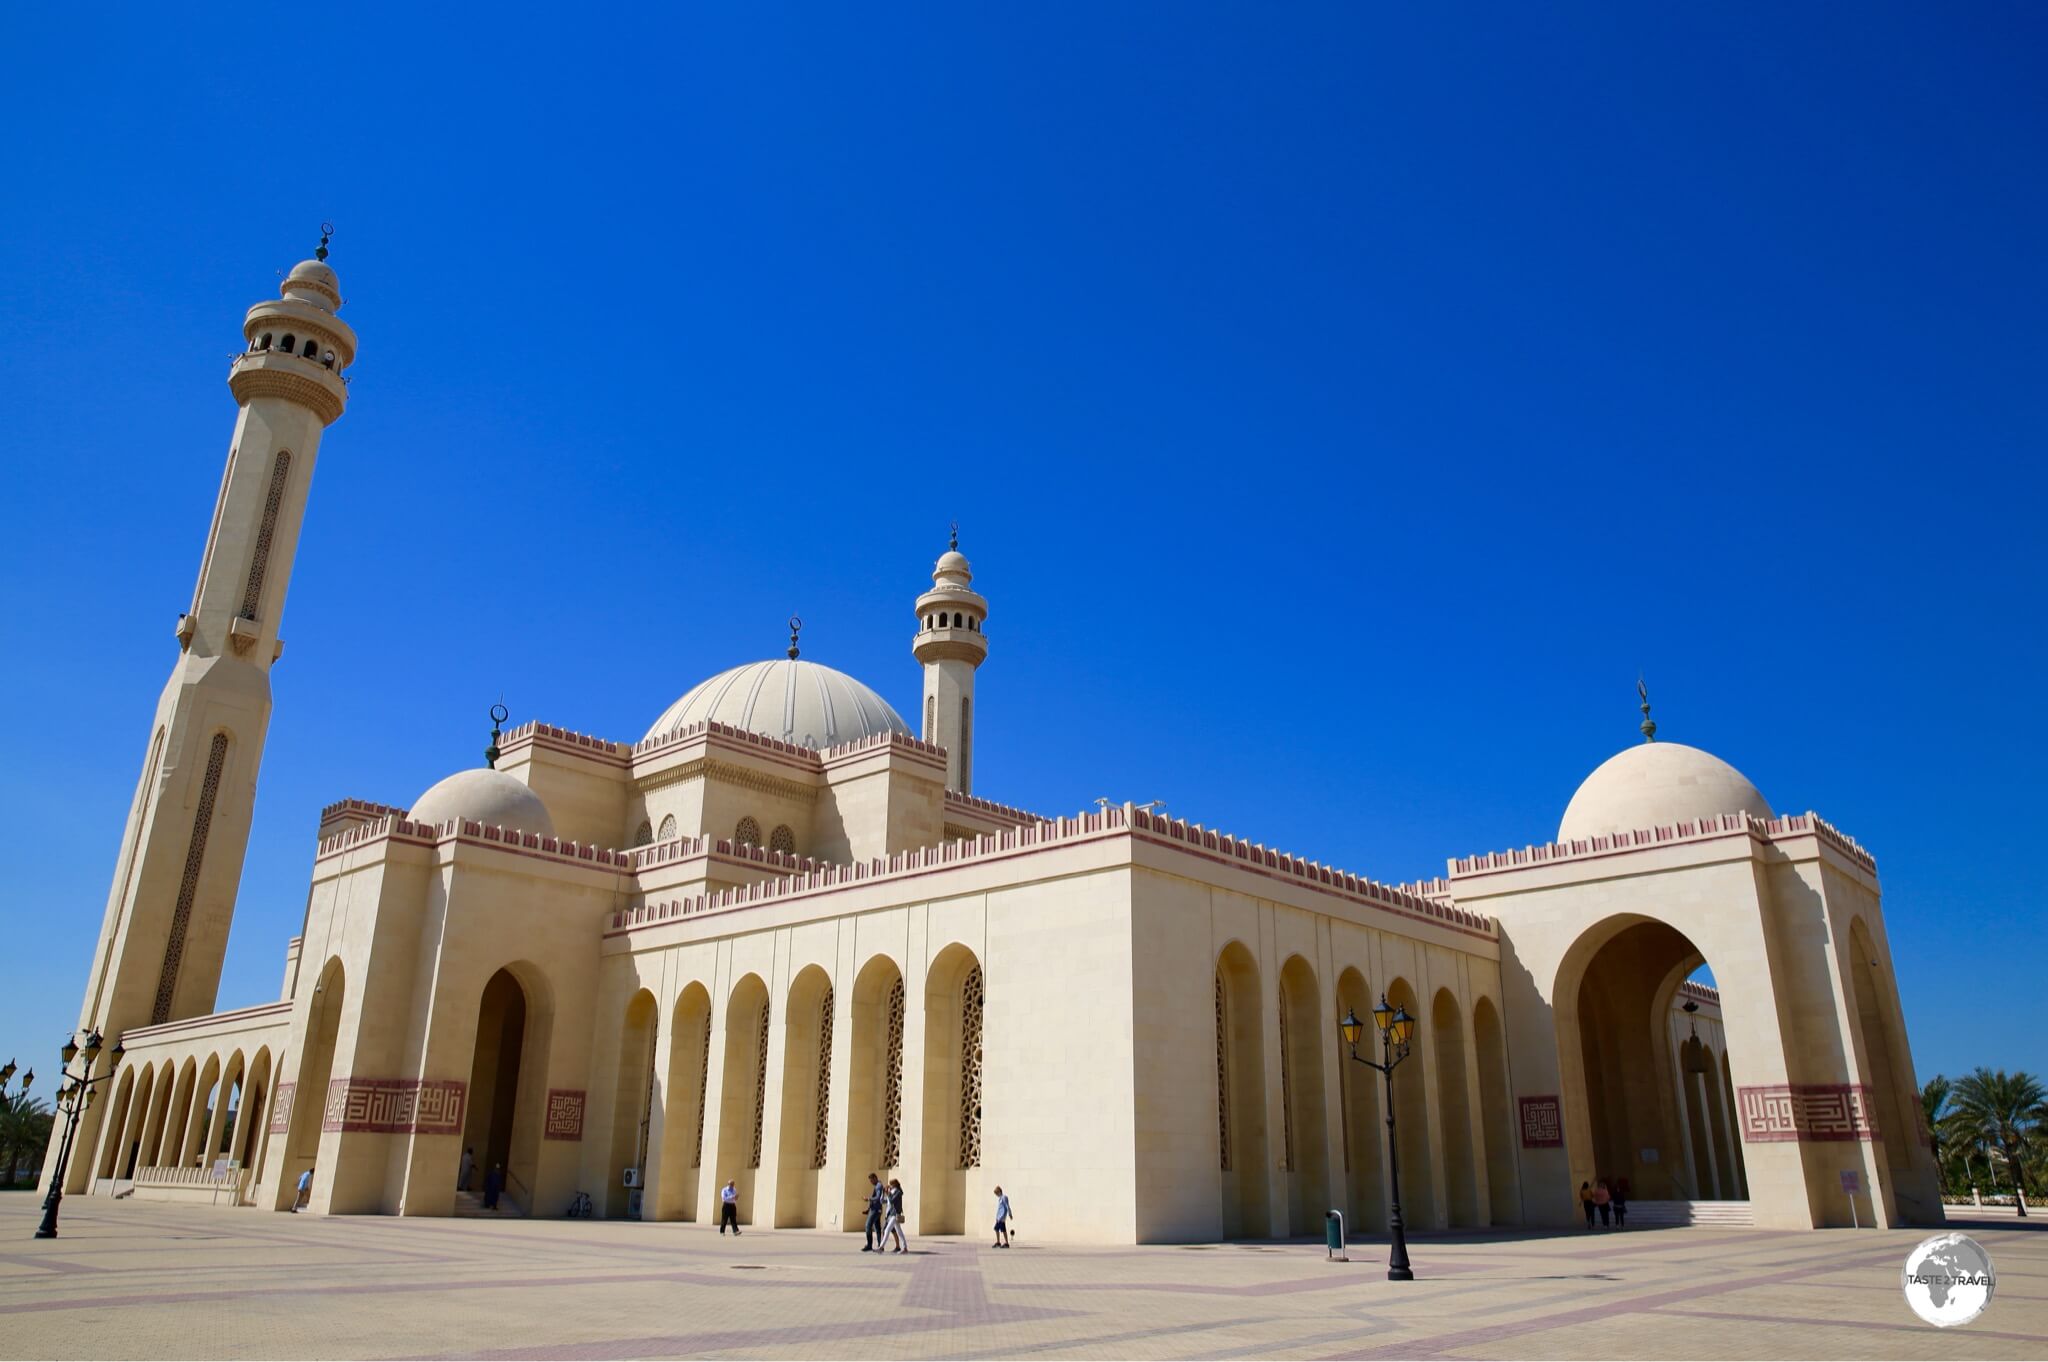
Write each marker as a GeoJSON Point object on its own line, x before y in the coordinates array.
{"type": "Point", "coordinates": [264, 344]}
{"type": "Point", "coordinates": [783, 839]}
{"type": "Point", "coordinates": [973, 624]}
{"type": "Point", "coordinates": [668, 828]}
{"type": "Point", "coordinates": [291, 343]}
{"type": "Point", "coordinates": [748, 832]}
{"type": "Point", "coordinates": [643, 834]}
{"type": "Point", "coordinates": [312, 347]}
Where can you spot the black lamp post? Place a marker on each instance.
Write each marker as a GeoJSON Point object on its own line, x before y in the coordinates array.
{"type": "Point", "coordinates": [1395, 1027]}
{"type": "Point", "coordinates": [74, 1095]}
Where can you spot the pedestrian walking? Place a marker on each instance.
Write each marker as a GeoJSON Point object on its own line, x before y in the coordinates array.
{"type": "Point", "coordinates": [468, 1167]}
{"type": "Point", "coordinates": [1617, 1197]}
{"type": "Point", "coordinates": [494, 1185]}
{"type": "Point", "coordinates": [878, 1202]}
{"type": "Point", "coordinates": [305, 1190]}
{"type": "Point", "coordinates": [729, 1209]}
{"type": "Point", "coordinates": [1003, 1214]}
{"type": "Point", "coordinates": [1586, 1200]}
{"type": "Point", "coordinates": [1603, 1199]}
{"type": "Point", "coordinates": [895, 1223]}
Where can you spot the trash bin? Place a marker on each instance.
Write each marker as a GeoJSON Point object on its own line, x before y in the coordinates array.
{"type": "Point", "coordinates": [1333, 1237]}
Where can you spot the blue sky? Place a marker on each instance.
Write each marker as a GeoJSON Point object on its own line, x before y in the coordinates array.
{"type": "Point", "coordinates": [1340, 404]}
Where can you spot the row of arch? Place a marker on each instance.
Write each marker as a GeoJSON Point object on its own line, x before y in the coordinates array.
{"type": "Point", "coordinates": [747, 832]}
{"type": "Point", "coordinates": [289, 345]}
{"type": "Point", "coordinates": [951, 619]}
{"type": "Point", "coordinates": [1467, 1061]}
{"type": "Point", "coordinates": [169, 1114]}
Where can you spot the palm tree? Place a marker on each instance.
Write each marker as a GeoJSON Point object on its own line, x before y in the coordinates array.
{"type": "Point", "coordinates": [1934, 1106]}
{"type": "Point", "coordinates": [24, 1130]}
{"type": "Point", "coordinates": [2005, 1110]}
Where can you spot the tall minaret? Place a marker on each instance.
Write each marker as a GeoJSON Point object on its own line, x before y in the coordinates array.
{"type": "Point", "coordinates": [180, 858]}
{"type": "Point", "coordinates": [950, 643]}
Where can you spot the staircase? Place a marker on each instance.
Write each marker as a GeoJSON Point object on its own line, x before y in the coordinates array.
{"type": "Point", "coordinates": [1712, 1214]}
{"type": "Point", "coordinates": [470, 1206]}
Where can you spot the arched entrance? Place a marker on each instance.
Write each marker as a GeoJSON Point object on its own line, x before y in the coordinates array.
{"type": "Point", "coordinates": [743, 1096]}
{"type": "Point", "coordinates": [1303, 1035]}
{"type": "Point", "coordinates": [1241, 1095]}
{"type": "Point", "coordinates": [1880, 1033]}
{"type": "Point", "coordinates": [1416, 1166]}
{"type": "Point", "coordinates": [492, 1125]}
{"type": "Point", "coordinates": [1364, 1125]}
{"type": "Point", "coordinates": [1454, 1109]}
{"type": "Point", "coordinates": [806, 1098]}
{"type": "Point", "coordinates": [682, 1127]}
{"type": "Point", "coordinates": [952, 1089]}
{"type": "Point", "coordinates": [874, 1089]}
{"type": "Point", "coordinates": [316, 1066]}
{"type": "Point", "coordinates": [1632, 1086]}
{"type": "Point", "coordinates": [632, 1105]}
{"type": "Point", "coordinates": [1503, 1195]}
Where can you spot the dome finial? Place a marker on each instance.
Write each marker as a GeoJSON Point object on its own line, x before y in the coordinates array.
{"type": "Point", "coordinates": [1649, 725]}
{"type": "Point", "coordinates": [326, 235]}
{"type": "Point", "coordinates": [953, 544]}
{"type": "Point", "coordinates": [795, 626]}
{"type": "Point", "coordinates": [499, 714]}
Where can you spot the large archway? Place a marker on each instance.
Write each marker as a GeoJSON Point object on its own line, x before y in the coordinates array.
{"type": "Point", "coordinates": [1881, 1035]}
{"type": "Point", "coordinates": [743, 1096]}
{"type": "Point", "coordinates": [682, 1126]}
{"type": "Point", "coordinates": [632, 1106]}
{"type": "Point", "coordinates": [953, 994]}
{"type": "Point", "coordinates": [1364, 1125]}
{"type": "Point", "coordinates": [508, 1026]}
{"type": "Point", "coordinates": [316, 1066]}
{"type": "Point", "coordinates": [1303, 1036]}
{"type": "Point", "coordinates": [1489, 1045]}
{"type": "Point", "coordinates": [1629, 1101]}
{"type": "Point", "coordinates": [1241, 1095]}
{"type": "Point", "coordinates": [806, 1098]}
{"type": "Point", "coordinates": [874, 1088]}
{"type": "Point", "coordinates": [1454, 1109]}
{"type": "Point", "coordinates": [1416, 1166]}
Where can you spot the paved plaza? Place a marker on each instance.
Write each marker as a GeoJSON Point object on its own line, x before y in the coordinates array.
{"type": "Point", "coordinates": [131, 1279]}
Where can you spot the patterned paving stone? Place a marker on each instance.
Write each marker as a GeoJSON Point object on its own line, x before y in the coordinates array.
{"type": "Point", "coordinates": [134, 1279]}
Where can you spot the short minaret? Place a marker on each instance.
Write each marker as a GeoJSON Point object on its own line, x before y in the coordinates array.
{"type": "Point", "coordinates": [951, 644]}
{"type": "Point", "coordinates": [180, 857]}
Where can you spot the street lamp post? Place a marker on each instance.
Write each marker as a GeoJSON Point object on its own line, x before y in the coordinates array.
{"type": "Point", "coordinates": [76, 1091]}
{"type": "Point", "coordinates": [1396, 1027]}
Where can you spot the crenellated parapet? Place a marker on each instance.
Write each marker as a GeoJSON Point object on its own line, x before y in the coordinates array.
{"type": "Point", "coordinates": [1720, 825]}
{"type": "Point", "coordinates": [1125, 820]}
{"type": "Point", "coordinates": [988, 808]}
{"type": "Point", "coordinates": [394, 827]}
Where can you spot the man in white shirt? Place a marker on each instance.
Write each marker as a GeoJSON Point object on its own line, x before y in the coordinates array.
{"type": "Point", "coordinates": [729, 1209]}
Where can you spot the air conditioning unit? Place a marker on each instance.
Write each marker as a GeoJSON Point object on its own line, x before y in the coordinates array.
{"type": "Point", "coordinates": [632, 1177]}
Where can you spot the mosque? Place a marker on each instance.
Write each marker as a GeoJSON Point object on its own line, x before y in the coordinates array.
{"type": "Point", "coordinates": [778, 940]}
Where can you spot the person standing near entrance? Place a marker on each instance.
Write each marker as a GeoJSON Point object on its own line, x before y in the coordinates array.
{"type": "Point", "coordinates": [494, 1183]}
{"type": "Point", "coordinates": [468, 1167]}
{"type": "Point", "coordinates": [305, 1189]}
{"type": "Point", "coordinates": [1586, 1200]}
{"type": "Point", "coordinates": [877, 1201]}
{"type": "Point", "coordinates": [1002, 1219]}
{"type": "Point", "coordinates": [729, 1208]}
{"type": "Point", "coordinates": [1617, 1197]}
{"type": "Point", "coordinates": [1601, 1197]}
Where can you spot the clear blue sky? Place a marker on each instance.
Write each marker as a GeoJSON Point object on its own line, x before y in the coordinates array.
{"type": "Point", "coordinates": [1340, 406]}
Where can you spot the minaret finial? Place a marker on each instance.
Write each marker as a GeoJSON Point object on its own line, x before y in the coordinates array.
{"type": "Point", "coordinates": [1649, 725]}
{"type": "Point", "coordinates": [499, 714]}
{"type": "Point", "coordinates": [795, 626]}
{"type": "Point", "coordinates": [953, 544]}
{"type": "Point", "coordinates": [326, 235]}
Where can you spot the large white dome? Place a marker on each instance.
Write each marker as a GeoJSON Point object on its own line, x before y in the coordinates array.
{"type": "Point", "coordinates": [1654, 785]}
{"type": "Point", "coordinates": [787, 698]}
{"type": "Point", "coordinates": [484, 796]}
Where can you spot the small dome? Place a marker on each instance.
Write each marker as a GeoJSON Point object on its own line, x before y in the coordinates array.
{"type": "Point", "coordinates": [484, 796]}
{"type": "Point", "coordinates": [1655, 784]}
{"type": "Point", "coordinates": [799, 702]}
{"type": "Point", "coordinates": [952, 561]}
{"type": "Point", "coordinates": [311, 281]}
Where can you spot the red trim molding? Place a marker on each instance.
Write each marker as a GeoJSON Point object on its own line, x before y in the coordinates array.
{"type": "Point", "coordinates": [395, 1106]}
{"type": "Point", "coordinates": [1812, 1113]}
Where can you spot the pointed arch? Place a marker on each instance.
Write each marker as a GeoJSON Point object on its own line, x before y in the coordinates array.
{"type": "Point", "coordinates": [744, 1089]}
{"type": "Point", "coordinates": [874, 1088]}
{"type": "Point", "coordinates": [1416, 1165]}
{"type": "Point", "coordinates": [953, 1013]}
{"type": "Point", "coordinates": [1364, 1125]}
{"type": "Point", "coordinates": [1241, 1094]}
{"type": "Point", "coordinates": [632, 1102]}
{"type": "Point", "coordinates": [682, 1131]}
{"type": "Point", "coordinates": [1454, 1109]}
{"type": "Point", "coordinates": [1304, 1037]}
{"type": "Point", "coordinates": [1503, 1182]}
{"type": "Point", "coordinates": [806, 1099]}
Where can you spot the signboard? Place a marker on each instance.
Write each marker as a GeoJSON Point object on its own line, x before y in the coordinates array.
{"type": "Point", "coordinates": [1649, 1155]}
{"type": "Point", "coordinates": [1542, 1123]}
{"type": "Point", "coordinates": [1852, 1183]}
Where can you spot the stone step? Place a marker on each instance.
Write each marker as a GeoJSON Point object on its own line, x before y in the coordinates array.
{"type": "Point", "coordinates": [1717, 1213]}
{"type": "Point", "coordinates": [470, 1206]}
